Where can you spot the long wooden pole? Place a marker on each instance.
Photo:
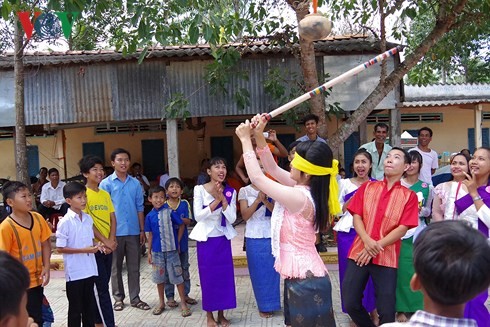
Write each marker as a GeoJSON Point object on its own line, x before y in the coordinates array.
{"type": "Point", "coordinates": [329, 84]}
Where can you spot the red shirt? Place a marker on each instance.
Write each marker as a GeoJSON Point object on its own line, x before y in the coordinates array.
{"type": "Point", "coordinates": [382, 211]}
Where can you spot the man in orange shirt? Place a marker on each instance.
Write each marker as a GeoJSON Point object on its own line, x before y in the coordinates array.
{"type": "Point", "coordinates": [383, 211]}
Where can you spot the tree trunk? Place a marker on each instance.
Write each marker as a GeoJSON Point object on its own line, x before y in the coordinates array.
{"type": "Point", "coordinates": [444, 23]}
{"type": "Point", "coordinates": [20, 128]}
{"type": "Point", "coordinates": [308, 67]}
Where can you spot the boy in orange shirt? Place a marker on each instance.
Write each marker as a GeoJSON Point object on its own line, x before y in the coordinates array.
{"type": "Point", "coordinates": [26, 236]}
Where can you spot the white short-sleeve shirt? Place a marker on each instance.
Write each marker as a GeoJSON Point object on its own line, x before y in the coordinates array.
{"type": "Point", "coordinates": [73, 232]}
{"type": "Point", "coordinates": [259, 225]}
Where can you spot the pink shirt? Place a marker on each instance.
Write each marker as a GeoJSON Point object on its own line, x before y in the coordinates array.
{"type": "Point", "coordinates": [298, 254]}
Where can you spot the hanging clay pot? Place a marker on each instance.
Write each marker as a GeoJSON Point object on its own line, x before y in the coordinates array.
{"type": "Point", "coordinates": [314, 27]}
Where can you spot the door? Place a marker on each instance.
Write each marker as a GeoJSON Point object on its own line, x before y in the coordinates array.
{"type": "Point", "coordinates": [153, 154]}
{"type": "Point", "coordinates": [471, 139]}
{"type": "Point", "coordinates": [222, 146]}
{"type": "Point", "coordinates": [351, 145]}
{"type": "Point", "coordinates": [95, 149]}
{"type": "Point", "coordinates": [32, 160]}
{"type": "Point", "coordinates": [286, 140]}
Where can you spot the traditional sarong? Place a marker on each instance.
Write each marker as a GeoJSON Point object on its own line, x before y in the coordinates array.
{"type": "Point", "coordinates": [215, 264]}
{"type": "Point", "coordinates": [265, 279]}
{"type": "Point", "coordinates": [475, 308]}
{"type": "Point", "coordinates": [344, 242]}
{"type": "Point", "coordinates": [406, 299]}
{"type": "Point", "coordinates": [308, 302]}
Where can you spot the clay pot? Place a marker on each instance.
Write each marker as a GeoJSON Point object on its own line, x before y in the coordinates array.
{"type": "Point", "coordinates": [314, 27]}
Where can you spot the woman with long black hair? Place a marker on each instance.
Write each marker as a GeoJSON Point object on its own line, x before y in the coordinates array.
{"type": "Point", "coordinates": [300, 210]}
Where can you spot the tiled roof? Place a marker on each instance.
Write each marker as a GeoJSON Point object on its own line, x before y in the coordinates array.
{"type": "Point", "coordinates": [331, 45]}
{"type": "Point", "coordinates": [438, 95]}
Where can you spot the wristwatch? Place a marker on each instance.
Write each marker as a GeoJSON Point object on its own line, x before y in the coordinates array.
{"type": "Point", "coordinates": [476, 198]}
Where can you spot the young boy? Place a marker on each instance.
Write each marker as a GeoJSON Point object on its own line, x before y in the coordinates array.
{"type": "Point", "coordinates": [26, 236]}
{"type": "Point", "coordinates": [14, 282]}
{"type": "Point", "coordinates": [99, 207]}
{"type": "Point", "coordinates": [164, 246]}
{"type": "Point", "coordinates": [451, 261]}
{"type": "Point", "coordinates": [180, 209]}
{"type": "Point", "coordinates": [383, 211]}
{"type": "Point", "coordinates": [74, 238]}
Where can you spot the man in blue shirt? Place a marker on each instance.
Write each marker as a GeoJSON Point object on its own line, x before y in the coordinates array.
{"type": "Point", "coordinates": [311, 127]}
{"type": "Point", "coordinates": [378, 150]}
{"type": "Point", "coordinates": [127, 197]}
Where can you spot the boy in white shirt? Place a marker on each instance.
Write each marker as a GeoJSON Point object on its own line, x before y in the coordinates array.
{"type": "Point", "coordinates": [74, 238]}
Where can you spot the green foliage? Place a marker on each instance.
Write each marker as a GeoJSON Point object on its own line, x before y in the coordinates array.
{"type": "Point", "coordinates": [223, 69]}
{"type": "Point", "coordinates": [242, 98]}
{"type": "Point", "coordinates": [461, 56]}
{"type": "Point", "coordinates": [176, 108]}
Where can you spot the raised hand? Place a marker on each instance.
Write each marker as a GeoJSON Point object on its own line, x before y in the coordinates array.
{"type": "Point", "coordinates": [243, 131]}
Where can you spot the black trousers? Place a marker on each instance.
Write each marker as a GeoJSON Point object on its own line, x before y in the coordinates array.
{"type": "Point", "coordinates": [46, 212]}
{"type": "Point", "coordinates": [35, 303]}
{"type": "Point", "coordinates": [355, 280]}
{"type": "Point", "coordinates": [104, 313]}
{"type": "Point", "coordinates": [81, 302]}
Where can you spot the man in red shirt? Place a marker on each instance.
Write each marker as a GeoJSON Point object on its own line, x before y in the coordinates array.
{"type": "Point", "coordinates": [383, 211]}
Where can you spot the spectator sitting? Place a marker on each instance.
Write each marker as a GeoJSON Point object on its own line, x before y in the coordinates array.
{"type": "Point", "coordinates": [137, 172]}
{"type": "Point", "coordinates": [52, 200]}
{"type": "Point", "coordinates": [37, 186]}
{"type": "Point", "coordinates": [203, 176]}
{"type": "Point", "coordinates": [164, 178]}
{"type": "Point", "coordinates": [451, 261]}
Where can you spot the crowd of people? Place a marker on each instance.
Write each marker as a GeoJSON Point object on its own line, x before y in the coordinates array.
{"type": "Point", "coordinates": [408, 251]}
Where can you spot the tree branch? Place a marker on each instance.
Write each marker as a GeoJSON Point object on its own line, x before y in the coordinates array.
{"type": "Point", "coordinates": [396, 6]}
{"type": "Point", "coordinates": [444, 22]}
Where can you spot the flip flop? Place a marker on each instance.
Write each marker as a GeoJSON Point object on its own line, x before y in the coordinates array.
{"type": "Point", "coordinates": [190, 301]}
{"type": "Point", "coordinates": [158, 311]}
{"type": "Point", "coordinates": [172, 304]}
{"type": "Point", "coordinates": [266, 314]}
{"type": "Point", "coordinates": [224, 323]}
{"type": "Point", "coordinates": [186, 312]}
{"type": "Point", "coordinates": [118, 306]}
{"type": "Point", "coordinates": [141, 305]}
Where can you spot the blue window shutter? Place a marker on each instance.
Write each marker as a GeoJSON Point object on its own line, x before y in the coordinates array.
{"type": "Point", "coordinates": [471, 138]}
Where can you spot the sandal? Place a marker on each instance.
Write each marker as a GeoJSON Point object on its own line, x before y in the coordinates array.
{"type": "Point", "coordinates": [172, 303]}
{"type": "Point", "coordinates": [158, 311]}
{"type": "Point", "coordinates": [190, 301]}
{"type": "Point", "coordinates": [186, 312]}
{"type": "Point", "coordinates": [266, 314]}
{"type": "Point", "coordinates": [118, 306]}
{"type": "Point", "coordinates": [141, 305]}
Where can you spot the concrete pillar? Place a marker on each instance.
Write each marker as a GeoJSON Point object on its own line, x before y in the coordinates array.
{"type": "Point", "coordinates": [395, 127]}
{"type": "Point", "coordinates": [172, 148]}
{"type": "Point", "coordinates": [478, 119]}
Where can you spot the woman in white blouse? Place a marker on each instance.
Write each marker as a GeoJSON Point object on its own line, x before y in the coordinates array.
{"type": "Point", "coordinates": [256, 209]}
{"type": "Point", "coordinates": [215, 212]}
{"type": "Point", "coordinates": [445, 194]}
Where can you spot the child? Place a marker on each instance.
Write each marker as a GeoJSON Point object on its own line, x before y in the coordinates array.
{"type": "Point", "coordinates": [163, 253]}
{"type": "Point", "coordinates": [14, 281]}
{"type": "Point", "coordinates": [26, 236]}
{"type": "Point", "coordinates": [180, 209]}
{"type": "Point", "coordinates": [451, 261]}
{"type": "Point", "coordinates": [74, 238]}
{"type": "Point", "coordinates": [99, 207]}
